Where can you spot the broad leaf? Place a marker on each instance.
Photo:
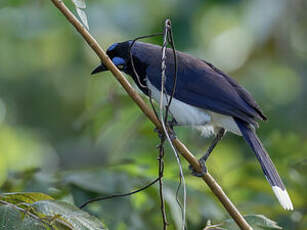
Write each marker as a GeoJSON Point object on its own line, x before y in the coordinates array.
{"type": "Point", "coordinates": [257, 222]}
{"type": "Point", "coordinates": [38, 211]}
{"type": "Point", "coordinates": [26, 197]}
{"type": "Point", "coordinates": [11, 218]}
{"type": "Point", "coordinates": [78, 219]}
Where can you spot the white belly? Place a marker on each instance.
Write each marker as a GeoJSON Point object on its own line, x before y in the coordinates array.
{"type": "Point", "coordinates": [202, 119]}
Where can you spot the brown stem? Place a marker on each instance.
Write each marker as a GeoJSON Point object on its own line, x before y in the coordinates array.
{"type": "Point", "coordinates": [215, 188]}
{"type": "Point", "coordinates": [161, 171]}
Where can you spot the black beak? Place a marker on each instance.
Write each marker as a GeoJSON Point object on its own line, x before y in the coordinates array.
{"type": "Point", "coordinates": [100, 68]}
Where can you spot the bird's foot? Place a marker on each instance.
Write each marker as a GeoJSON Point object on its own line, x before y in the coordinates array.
{"type": "Point", "coordinates": [204, 170]}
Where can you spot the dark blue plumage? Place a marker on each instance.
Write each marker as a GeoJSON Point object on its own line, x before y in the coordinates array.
{"type": "Point", "coordinates": [262, 155]}
{"type": "Point", "coordinates": [204, 96]}
{"type": "Point", "coordinates": [198, 84]}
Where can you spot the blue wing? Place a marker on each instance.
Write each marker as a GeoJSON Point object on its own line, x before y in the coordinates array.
{"type": "Point", "coordinates": [200, 84]}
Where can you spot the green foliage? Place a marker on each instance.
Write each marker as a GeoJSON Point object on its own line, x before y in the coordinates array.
{"type": "Point", "coordinates": [20, 197]}
{"type": "Point", "coordinates": [257, 222]}
{"type": "Point", "coordinates": [75, 137]}
{"type": "Point", "coordinates": [12, 218]}
{"type": "Point", "coordinates": [37, 211]}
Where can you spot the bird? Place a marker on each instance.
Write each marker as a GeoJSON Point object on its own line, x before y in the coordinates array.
{"type": "Point", "coordinates": [204, 97]}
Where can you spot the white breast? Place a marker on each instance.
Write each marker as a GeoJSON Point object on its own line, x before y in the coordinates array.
{"type": "Point", "coordinates": [186, 114]}
{"type": "Point", "coordinates": [183, 113]}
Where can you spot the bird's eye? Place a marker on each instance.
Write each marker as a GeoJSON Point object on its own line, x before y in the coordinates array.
{"type": "Point", "coordinates": [120, 66]}
{"type": "Point", "coordinates": [119, 62]}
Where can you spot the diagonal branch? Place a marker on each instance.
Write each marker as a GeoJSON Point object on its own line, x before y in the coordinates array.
{"type": "Point", "coordinates": [215, 188]}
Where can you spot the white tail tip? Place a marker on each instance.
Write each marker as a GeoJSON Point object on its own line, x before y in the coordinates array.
{"type": "Point", "coordinates": [283, 198]}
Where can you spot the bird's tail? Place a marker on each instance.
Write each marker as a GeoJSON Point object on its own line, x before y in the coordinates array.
{"type": "Point", "coordinates": [266, 163]}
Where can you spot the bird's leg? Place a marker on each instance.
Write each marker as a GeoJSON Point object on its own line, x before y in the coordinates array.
{"type": "Point", "coordinates": [204, 158]}
{"type": "Point", "coordinates": [218, 137]}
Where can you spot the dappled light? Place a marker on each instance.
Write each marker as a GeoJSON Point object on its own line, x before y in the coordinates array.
{"type": "Point", "coordinates": [75, 136]}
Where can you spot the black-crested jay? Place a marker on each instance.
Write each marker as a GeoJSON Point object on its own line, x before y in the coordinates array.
{"type": "Point", "coordinates": [205, 98]}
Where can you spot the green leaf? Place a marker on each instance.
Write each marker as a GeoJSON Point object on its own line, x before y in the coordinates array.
{"type": "Point", "coordinates": [11, 218]}
{"type": "Point", "coordinates": [257, 222]}
{"type": "Point", "coordinates": [37, 211]}
{"type": "Point", "coordinates": [78, 219]}
{"type": "Point", "coordinates": [24, 197]}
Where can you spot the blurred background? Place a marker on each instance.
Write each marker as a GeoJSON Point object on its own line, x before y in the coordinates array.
{"type": "Point", "coordinates": [74, 136]}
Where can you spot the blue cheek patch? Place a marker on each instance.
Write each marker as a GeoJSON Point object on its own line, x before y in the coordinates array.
{"type": "Point", "coordinates": [118, 61]}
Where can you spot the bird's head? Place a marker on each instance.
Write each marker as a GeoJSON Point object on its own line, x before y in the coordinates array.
{"type": "Point", "coordinates": [119, 54]}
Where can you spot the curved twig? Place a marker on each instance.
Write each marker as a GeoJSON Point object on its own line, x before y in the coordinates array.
{"type": "Point", "coordinates": [118, 195]}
